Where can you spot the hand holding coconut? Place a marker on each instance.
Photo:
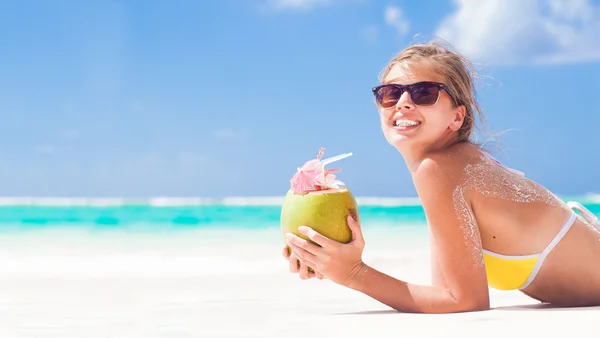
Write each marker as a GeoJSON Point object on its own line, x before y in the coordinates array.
{"type": "Point", "coordinates": [340, 262]}
{"type": "Point", "coordinates": [321, 215]}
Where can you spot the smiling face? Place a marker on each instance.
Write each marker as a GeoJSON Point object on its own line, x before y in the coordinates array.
{"type": "Point", "coordinates": [407, 125]}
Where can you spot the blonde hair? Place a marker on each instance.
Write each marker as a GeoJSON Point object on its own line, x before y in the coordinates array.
{"type": "Point", "coordinates": [457, 71]}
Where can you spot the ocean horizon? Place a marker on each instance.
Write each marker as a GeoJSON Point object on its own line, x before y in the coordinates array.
{"type": "Point", "coordinates": [164, 214]}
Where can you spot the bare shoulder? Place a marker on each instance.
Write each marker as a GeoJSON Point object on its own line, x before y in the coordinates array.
{"type": "Point", "coordinates": [442, 171]}
{"type": "Point", "coordinates": [441, 180]}
{"type": "Point", "coordinates": [469, 170]}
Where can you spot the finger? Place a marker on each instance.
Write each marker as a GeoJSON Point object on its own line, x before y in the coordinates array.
{"type": "Point", "coordinates": [355, 229]}
{"type": "Point", "coordinates": [315, 236]}
{"type": "Point", "coordinates": [293, 265]}
{"type": "Point", "coordinates": [286, 252]}
{"type": "Point", "coordinates": [302, 254]}
{"type": "Point", "coordinates": [308, 263]}
{"type": "Point", "coordinates": [297, 242]}
{"type": "Point", "coordinates": [303, 271]}
{"type": "Point", "coordinates": [319, 275]}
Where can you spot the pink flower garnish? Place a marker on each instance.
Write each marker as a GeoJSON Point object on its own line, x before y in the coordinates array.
{"type": "Point", "coordinates": [312, 175]}
{"type": "Point", "coordinates": [307, 176]}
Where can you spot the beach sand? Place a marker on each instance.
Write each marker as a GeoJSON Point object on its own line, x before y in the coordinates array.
{"type": "Point", "coordinates": [230, 284]}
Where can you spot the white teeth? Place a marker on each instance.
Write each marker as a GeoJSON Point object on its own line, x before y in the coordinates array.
{"type": "Point", "coordinates": [405, 123]}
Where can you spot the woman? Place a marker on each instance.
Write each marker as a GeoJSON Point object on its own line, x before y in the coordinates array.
{"type": "Point", "coordinates": [489, 225]}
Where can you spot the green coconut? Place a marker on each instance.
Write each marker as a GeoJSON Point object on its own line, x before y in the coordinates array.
{"type": "Point", "coordinates": [325, 211]}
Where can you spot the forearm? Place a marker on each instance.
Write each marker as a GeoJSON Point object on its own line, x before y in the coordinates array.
{"type": "Point", "coordinates": [406, 297]}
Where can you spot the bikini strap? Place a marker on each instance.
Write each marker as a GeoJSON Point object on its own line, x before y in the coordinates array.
{"type": "Point", "coordinates": [587, 215]}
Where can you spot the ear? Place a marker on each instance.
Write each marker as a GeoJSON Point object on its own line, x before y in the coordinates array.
{"type": "Point", "coordinates": [459, 118]}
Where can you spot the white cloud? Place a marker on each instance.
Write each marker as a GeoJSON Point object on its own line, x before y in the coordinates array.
{"type": "Point", "coordinates": [524, 31]}
{"type": "Point", "coordinates": [572, 9]}
{"type": "Point", "coordinates": [395, 18]}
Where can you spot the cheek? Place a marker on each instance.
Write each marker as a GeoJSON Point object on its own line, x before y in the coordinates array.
{"type": "Point", "coordinates": [383, 119]}
{"type": "Point", "coordinates": [386, 129]}
{"type": "Point", "coordinates": [440, 119]}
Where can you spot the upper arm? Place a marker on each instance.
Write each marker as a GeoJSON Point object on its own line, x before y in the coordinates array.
{"type": "Point", "coordinates": [437, 278]}
{"type": "Point", "coordinates": [454, 235]}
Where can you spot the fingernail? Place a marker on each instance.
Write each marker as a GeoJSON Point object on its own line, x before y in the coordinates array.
{"type": "Point", "coordinates": [288, 235]}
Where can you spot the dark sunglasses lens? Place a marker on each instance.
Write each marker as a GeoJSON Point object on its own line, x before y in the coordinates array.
{"type": "Point", "coordinates": [425, 94]}
{"type": "Point", "coordinates": [388, 96]}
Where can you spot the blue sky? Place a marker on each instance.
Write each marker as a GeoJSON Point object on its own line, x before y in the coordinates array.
{"type": "Point", "coordinates": [222, 98]}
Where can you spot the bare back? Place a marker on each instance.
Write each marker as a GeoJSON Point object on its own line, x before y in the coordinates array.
{"type": "Point", "coordinates": [516, 216]}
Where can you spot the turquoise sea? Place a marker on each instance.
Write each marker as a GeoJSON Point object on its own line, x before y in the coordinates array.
{"type": "Point", "coordinates": [162, 215]}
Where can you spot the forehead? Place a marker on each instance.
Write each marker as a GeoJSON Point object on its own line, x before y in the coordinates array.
{"type": "Point", "coordinates": [407, 73]}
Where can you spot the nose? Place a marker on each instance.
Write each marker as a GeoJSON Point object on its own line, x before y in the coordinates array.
{"type": "Point", "coordinates": [405, 102]}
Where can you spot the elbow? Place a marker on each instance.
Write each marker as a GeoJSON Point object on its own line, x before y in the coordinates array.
{"type": "Point", "coordinates": [472, 305]}
{"type": "Point", "coordinates": [469, 301]}
{"type": "Point", "coordinates": [453, 305]}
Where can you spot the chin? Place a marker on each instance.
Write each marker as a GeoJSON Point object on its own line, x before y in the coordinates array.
{"type": "Point", "coordinates": [400, 142]}
{"type": "Point", "coordinates": [404, 143]}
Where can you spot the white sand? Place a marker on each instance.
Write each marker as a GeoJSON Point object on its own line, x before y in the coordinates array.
{"type": "Point", "coordinates": [211, 285]}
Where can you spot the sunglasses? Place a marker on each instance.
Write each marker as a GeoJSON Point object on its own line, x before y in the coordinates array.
{"type": "Point", "coordinates": [421, 93]}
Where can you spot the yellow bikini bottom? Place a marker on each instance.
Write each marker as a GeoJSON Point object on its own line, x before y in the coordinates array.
{"type": "Point", "coordinates": [518, 272]}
